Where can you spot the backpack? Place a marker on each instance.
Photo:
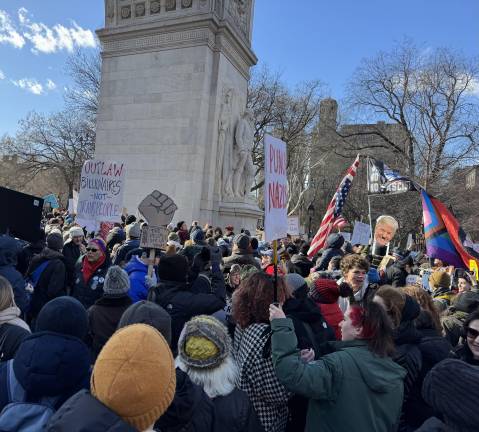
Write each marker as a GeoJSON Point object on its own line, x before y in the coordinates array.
{"type": "Point", "coordinates": [34, 277]}
{"type": "Point", "coordinates": [21, 416]}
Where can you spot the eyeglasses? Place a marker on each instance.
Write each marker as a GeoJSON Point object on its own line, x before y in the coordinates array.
{"type": "Point", "coordinates": [472, 333]}
{"type": "Point", "coordinates": [92, 250]}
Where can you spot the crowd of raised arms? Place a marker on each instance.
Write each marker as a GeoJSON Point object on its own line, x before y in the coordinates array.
{"type": "Point", "coordinates": [91, 341]}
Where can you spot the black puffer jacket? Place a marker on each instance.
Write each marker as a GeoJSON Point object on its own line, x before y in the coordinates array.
{"type": "Point", "coordinates": [408, 354]}
{"type": "Point", "coordinates": [11, 336]}
{"type": "Point", "coordinates": [434, 349]}
{"type": "Point", "coordinates": [84, 413]}
{"type": "Point", "coordinates": [88, 293]}
{"type": "Point", "coordinates": [182, 302]}
{"type": "Point", "coordinates": [103, 319]}
{"type": "Point", "coordinates": [52, 282]}
{"type": "Point", "coordinates": [9, 250]}
{"type": "Point", "coordinates": [190, 411]}
{"type": "Point", "coordinates": [72, 254]}
{"type": "Point", "coordinates": [235, 413]}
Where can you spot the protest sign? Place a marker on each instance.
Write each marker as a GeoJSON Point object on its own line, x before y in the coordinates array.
{"type": "Point", "coordinates": [153, 237]}
{"type": "Point", "coordinates": [275, 189]}
{"type": "Point", "coordinates": [361, 233]}
{"type": "Point", "coordinates": [73, 203]}
{"type": "Point", "coordinates": [157, 208]}
{"type": "Point", "coordinates": [52, 200]}
{"type": "Point", "coordinates": [100, 199]}
{"type": "Point", "coordinates": [293, 225]}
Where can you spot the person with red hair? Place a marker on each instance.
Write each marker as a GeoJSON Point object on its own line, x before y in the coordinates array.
{"type": "Point", "coordinates": [357, 387]}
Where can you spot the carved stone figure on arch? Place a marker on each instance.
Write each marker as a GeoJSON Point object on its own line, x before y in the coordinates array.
{"type": "Point", "coordinates": [225, 142]}
{"type": "Point", "coordinates": [244, 141]}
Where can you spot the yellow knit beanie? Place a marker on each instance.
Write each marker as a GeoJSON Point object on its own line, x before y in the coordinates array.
{"type": "Point", "coordinates": [134, 375]}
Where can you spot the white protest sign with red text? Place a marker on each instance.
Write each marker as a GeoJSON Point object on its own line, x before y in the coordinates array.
{"type": "Point", "coordinates": [100, 199]}
{"type": "Point", "coordinates": [276, 189]}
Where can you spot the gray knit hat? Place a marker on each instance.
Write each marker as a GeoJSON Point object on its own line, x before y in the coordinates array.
{"type": "Point", "coordinates": [133, 231]}
{"type": "Point", "coordinates": [116, 282]}
{"type": "Point", "coordinates": [295, 281]}
{"type": "Point", "coordinates": [204, 343]}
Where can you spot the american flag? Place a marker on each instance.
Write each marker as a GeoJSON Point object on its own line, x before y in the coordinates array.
{"type": "Point", "coordinates": [340, 222]}
{"type": "Point", "coordinates": [334, 209]}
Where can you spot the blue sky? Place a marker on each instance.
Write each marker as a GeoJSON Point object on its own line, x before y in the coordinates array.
{"type": "Point", "coordinates": [303, 39]}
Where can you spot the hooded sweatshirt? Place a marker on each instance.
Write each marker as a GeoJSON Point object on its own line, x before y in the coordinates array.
{"type": "Point", "coordinates": [9, 249]}
{"type": "Point", "coordinates": [333, 248]}
{"type": "Point", "coordinates": [351, 389]}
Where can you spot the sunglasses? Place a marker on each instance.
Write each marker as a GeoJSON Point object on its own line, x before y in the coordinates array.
{"type": "Point", "coordinates": [472, 333]}
{"type": "Point", "coordinates": [92, 250]}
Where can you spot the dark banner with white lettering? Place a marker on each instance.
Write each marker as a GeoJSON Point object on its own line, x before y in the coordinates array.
{"type": "Point", "coordinates": [384, 180]}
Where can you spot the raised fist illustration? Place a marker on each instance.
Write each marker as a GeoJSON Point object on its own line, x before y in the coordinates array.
{"type": "Point", "coordinates": [157, 208]}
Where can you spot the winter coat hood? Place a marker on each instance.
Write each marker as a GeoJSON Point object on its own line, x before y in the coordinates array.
{"type": "Point", "coordinates": [9, 249]}
{"type": "Point", "coordinates": [84, 413]}
{"type": "Point", "coordinates": [334, 241]}
{"type": "Point", "coordinates": [379, 375]}
{"type": "Point", "coordinates": [135, 264]}
{"type": "Point", "coordinates": [52, 364]}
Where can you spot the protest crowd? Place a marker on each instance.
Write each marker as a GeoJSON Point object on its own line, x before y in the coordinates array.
{"type": "Point", "coordinates": [89, 341]}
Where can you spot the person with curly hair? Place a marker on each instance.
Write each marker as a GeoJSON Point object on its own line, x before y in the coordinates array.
{"type": "Point", "coordinates": [354, 269]}
{"type": "Point", "coordinates": [252, 349]}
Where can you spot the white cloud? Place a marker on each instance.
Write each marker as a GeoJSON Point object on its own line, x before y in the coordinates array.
{"type": "Point", "coordinates": [51, 85]}
{"type": "Point", "coordinates": [44, 39]}
{"type": "Point", "coordinates": [8, 33]}
{"type": "Point", "coordinates": [474, 87]}
{"type": "Point", "coordinates": [30, 85]}
{"type": "Point", "coordinates": [2, 75]}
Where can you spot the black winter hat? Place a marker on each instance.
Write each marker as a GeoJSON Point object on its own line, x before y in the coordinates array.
{"type": "Point", "coordinates": [130, 219]}
{"type": "Point", "coordinates": [65, 315]}
{"type": "Point", "coordinates": [55, 241]}
{"type": "Point", "coordinates": [146, 312]}
{"type": "Point", "coordinates": [173, 268]}
{"type": "Point", "coordinates": [450, 389]}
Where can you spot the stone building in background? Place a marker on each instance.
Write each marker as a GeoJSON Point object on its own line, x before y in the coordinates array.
{"type": "Point", "coordinates": [336, 146]}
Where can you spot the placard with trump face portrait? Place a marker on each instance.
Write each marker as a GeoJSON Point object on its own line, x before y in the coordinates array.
{"type": "Point", "coordinates": [384, 232]}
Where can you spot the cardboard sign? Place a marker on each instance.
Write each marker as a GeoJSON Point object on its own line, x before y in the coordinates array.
{"type": "Point", "coordinates": [52, 200]}
{"type": "Point", "coordinates": [157, 208]}
{"type": "Point", "coordinates": [100, 199]}
{"type": "Point", "coordinates": [275, 189]}
{"type": "Point", "coordinates": [361, 233]}
{"type": "Point", "coordinates": [293, 225]}
{"type": "Point", "coordinates": [153, 237]}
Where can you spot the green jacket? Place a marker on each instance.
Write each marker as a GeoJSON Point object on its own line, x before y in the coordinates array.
{"type": "Point", "coordinates": [350, 390]}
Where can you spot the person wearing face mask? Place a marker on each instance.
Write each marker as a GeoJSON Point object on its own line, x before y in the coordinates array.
{"type": "Point", "coordinates": [354, 269]}
{"type": "Point", "coordinates": [90, 272]}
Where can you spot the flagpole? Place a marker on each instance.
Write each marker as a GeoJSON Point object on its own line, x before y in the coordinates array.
{"type": "Point", "coordinates": [369, 202]}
